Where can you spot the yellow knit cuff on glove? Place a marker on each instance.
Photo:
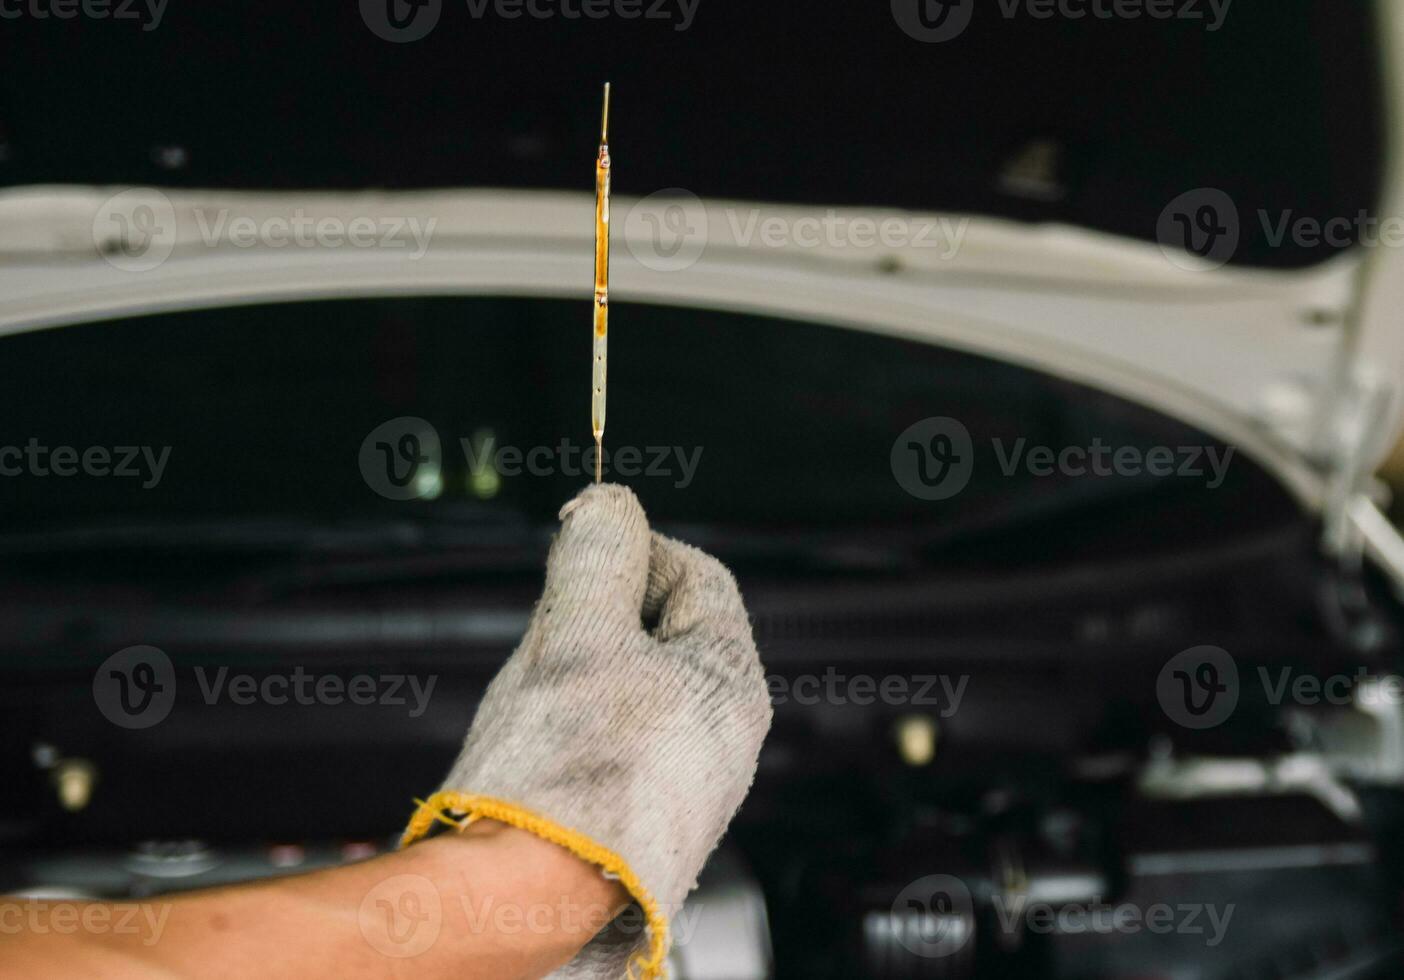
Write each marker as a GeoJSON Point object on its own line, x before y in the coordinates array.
{"type": "Point", "coordinates": [430, 811]}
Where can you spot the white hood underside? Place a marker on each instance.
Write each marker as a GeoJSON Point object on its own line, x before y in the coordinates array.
{"type": "Point", "coordinates": [1262, 360]}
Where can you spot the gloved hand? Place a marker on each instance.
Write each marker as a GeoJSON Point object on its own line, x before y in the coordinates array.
{"type": "Point", "coordinates": [632, 748]}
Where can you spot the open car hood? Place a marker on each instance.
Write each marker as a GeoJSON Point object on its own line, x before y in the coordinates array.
{"type": "Point", "coordinates": [1296, 364]}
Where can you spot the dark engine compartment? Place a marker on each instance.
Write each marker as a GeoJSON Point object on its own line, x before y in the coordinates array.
{"type": "Point", "coordinates": [1038, 695]}
{"type": "Point", "coordinates": [987, 758]}
{"type": "Point", "coordinates": [999, 746]}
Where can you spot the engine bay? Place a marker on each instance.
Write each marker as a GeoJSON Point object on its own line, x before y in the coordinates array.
{"type": "Point", "coordinates": [1077, 727]}
{"type": "Point", "coordinates": [961, 781]}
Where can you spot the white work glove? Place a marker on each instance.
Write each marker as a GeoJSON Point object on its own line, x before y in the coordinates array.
{"type": "Point", "coordinates": [632, 748]}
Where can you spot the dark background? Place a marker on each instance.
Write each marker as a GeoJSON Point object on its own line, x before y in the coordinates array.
{"type": "Point", "coordinates": [790, 426]}
{"type": "Point", "coordinates": [827, 103]}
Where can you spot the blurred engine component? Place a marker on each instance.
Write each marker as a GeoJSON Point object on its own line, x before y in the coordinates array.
{"type": "Point", "coordinates": [722, 932]}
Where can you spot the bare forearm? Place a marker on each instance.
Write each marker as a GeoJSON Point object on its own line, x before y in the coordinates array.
{"type": "Point", "coordinates": [492, 903]}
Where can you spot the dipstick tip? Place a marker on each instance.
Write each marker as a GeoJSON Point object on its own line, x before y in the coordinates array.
{"type": "Point", "coordinates": [604, 116]}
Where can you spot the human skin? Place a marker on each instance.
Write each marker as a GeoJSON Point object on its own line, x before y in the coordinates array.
{"type": "Point", "coordinates": [510, 905]}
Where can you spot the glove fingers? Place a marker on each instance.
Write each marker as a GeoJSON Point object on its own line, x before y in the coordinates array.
{"type": "Point", "coordinates": [689, 591]}
{"type": "Point", "coordinates": [599, 561]}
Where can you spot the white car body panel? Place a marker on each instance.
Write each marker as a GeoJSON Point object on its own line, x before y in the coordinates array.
{"type": "Point", "coordinates": [1298, 369]}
